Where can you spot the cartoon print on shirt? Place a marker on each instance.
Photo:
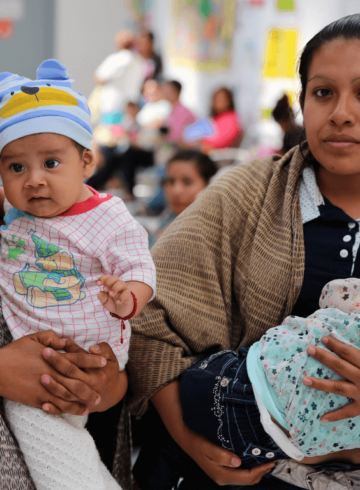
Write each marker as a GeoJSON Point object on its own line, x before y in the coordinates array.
{"type": "Point", "coordinates": [54, 281]}
{"type": "Point", "coordinates": [15, 248]}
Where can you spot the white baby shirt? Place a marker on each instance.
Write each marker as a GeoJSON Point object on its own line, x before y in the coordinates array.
{"type": "Point", "coordinates": [49, 269]}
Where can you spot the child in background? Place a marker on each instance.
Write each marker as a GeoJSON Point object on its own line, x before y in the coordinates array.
{"type": "Point", "coordinates": [61, 243]}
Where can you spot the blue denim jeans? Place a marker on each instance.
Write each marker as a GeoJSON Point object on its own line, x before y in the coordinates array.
{"type": "Point", "coordinates": [218, 402]}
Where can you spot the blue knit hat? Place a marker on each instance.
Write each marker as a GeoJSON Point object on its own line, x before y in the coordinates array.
{"type": "Point", "coordinates": [45, 105]}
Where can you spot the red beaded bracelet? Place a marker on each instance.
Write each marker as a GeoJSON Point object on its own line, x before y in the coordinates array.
{"type": "Point", "coordinates": [133, 313]}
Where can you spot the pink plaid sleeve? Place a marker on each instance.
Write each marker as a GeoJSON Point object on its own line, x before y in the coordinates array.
{"type": "Point", "coordinates": [128, 253]}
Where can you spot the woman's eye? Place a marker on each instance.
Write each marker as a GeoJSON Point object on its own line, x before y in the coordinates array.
{"type": "Point", "coordinates": [51, 163]}
{"type": "Point", "coordinates": [17, 167]}
{"type": "Point", "coordinates": [187, 181]}
{"type": "Point", "coordinates": [322, 92]}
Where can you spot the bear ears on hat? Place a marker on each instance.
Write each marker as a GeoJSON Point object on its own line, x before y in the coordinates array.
{"type": "Point", "coordinates": [52, 70]}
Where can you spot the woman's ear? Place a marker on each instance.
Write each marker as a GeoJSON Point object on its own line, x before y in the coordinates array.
{"type": "Point", "coordinates": [88, 159]}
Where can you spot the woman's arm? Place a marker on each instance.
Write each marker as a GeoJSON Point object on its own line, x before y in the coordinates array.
{"type": "Point", "coordinates": [218, 463]}
{"type": "Point", "coordinates": [347, 364]}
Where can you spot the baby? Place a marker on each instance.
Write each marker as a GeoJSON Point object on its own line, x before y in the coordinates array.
{"type": "Point", "coordinates": [289, 412]}
{"type": "Point", "coordinates": [254, 403]}
{"type": "Point", "coordinates": [61, 243]}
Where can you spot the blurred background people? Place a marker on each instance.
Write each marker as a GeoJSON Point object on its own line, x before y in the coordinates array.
{"type": "Point", "coordinates": [121, 76]}
{"type": "Point", "coordinates": [228, 129]}
{"type": "Point", "coordinates": [222, 130]}
{"type": "Point", "coordinates": [291, 131]}
{"type": "Point", "coordinates": [284, 116]}
{"type": "Point", "coordinates": [180, 116]}
{"type": "Point", "coordinates": [153, 64]}
{"type": "Point", "coordinates": [156, 108]}
{"type": "Point", "coordinates": [187, 174]}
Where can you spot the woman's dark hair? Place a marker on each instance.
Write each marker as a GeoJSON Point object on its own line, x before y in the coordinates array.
{"type": "Point", "coordinates": [347, 28]}
{"type": "Point", "coordinates": [229, 95]}
{"type": "Point", "coordinates": [205, 166]}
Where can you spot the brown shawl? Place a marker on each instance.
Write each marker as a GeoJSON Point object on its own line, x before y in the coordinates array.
{"type": "Point", "coordinates": [228, 269]}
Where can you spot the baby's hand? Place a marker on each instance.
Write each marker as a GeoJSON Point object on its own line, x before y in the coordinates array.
{"type": "Point", "coordinates": [115, 296]}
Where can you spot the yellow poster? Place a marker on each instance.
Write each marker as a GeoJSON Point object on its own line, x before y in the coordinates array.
{"type": "Point", "coordinates": [281, 50]}
{"type": "Point", "coordinates": [201, 33]}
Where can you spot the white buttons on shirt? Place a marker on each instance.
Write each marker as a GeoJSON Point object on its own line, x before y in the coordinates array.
{"type": "Point", "coordinates": [102, 195]}
{"type": "Point", "coordinates": [351, 225]}
{"type": "Point", "coordinates": [347, 238]}
{"type": "Point", "coordinates": [344, 253]}
{"type": "Point", "coordinates": [269, 455]}
{"type": "Point", "coordinates": [203, 365]}
{"type": "Point", "coordinates": [256, 451]}
{"type": "Point", "coordinates": [224, 382]}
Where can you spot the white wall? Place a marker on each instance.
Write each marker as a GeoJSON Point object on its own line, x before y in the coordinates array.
{"type": "Point", "coordinates": [84, 33]}
{"type": "Point", "coordinates": [32, 40]}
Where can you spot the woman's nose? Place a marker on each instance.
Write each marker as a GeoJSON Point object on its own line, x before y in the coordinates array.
{"type": "Point", "coordinates": [343, 112]}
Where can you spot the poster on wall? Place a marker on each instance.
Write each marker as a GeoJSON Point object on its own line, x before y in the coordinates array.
{"type": "Point", "coordinates": [256, 3]}
{"type": "Point", "coordinates": [140, 13]}
{"type": "Point", "coordinates": [279, 68]}
{"type": "Point", "coordinates": [286, 5]}
{"type": "Point", "coordinates": [201, 34]}
{"type": "Point", "coordinates": [280, 55]}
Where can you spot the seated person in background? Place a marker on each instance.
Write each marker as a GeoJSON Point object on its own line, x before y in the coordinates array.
{"type": "Point", "coordinates": [153, 63]}
{"type": "Point", "coordinates": [121, 76]}
{"type": "Point", "coordinates": [130, 125]}
{"type": "Point", "coordinates": [188, 172]}
{"type": "Point", "coordinates": [256, 403]}
{"type": "Point", "coordinates": [284, 116]}
{"type": "Point", "coordinates": [226, 122]}
{"type": "Point", "coordinates": [180, 116]}
{"type": "Point", "coordinates": [156, 109]}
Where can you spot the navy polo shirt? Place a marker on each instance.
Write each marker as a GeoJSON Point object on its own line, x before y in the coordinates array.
{"type": "Point", "coordinates": [329, 240]}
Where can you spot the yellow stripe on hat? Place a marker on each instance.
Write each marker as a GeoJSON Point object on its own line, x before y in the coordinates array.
{"type": "Point", "coordinates": [45, 96]}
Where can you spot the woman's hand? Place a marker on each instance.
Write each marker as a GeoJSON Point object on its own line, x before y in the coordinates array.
{"type": "Point", "coordinates": [22, 365]}
{"type": "Point", "coordinates": [346, 365]}
{"type": "Point", "coordinates": [219, 464]}
{"type": "Point", "coordinates": [107, 383]}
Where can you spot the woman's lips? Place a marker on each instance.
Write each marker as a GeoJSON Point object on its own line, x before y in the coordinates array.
{"type": "Point", "coordinates": [340, 145]}
{"type": "Point", "coordinates": [340, 141]}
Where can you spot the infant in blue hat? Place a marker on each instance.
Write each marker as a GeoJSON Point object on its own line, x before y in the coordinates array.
{"type": "Point", "coordinates": [72, 260]}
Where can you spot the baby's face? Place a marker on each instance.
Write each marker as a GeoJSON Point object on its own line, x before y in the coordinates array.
{"type": "Point", "coordinates": [43, 174]}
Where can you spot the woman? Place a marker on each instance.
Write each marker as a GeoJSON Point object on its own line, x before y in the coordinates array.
{"type": "Point", "coordinates": [228, 130]}
{"type": "Point", "coordinates": [258, 245]}
{"type": "Point", "coordinates": [188, 173]}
